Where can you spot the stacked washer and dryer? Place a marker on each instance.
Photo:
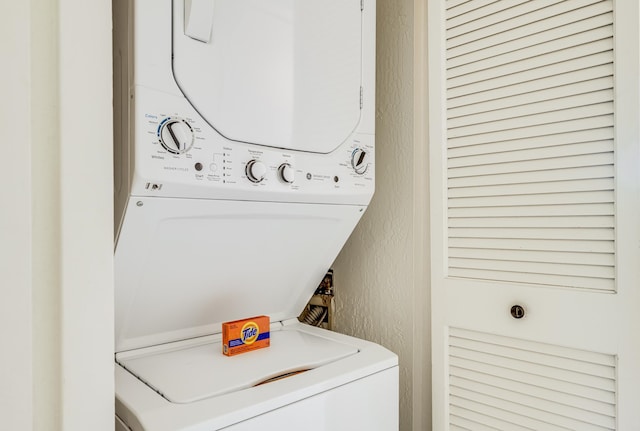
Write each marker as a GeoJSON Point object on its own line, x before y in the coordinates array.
{"type": "Point", "coordinates": [244, 158]}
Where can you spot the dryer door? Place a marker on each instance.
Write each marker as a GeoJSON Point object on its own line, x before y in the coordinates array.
{"type": "Point", "coordinates": [279, 73]}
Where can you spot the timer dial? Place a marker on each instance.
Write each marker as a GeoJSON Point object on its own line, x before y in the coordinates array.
{"type": "Point", "coordinates": [359, 161]}
{"type": "Point", "coordinates": [176, 136]}
{"type": "Point", "coordinates": [256, 170]}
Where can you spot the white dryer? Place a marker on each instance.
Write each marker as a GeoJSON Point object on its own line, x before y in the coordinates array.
{"type": "Point", "coordinates": [244, 158]}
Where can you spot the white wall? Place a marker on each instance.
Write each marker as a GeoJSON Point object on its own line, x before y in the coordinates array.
{"type": "Point", "coordinates": [15, 228]}
{"type": "Point", "coordinates": [381, 292]}
{"type": "Point", "coordinates": [56, 312]}
{"type": "Point", "coordinates": [86, 217]}
{"type": "Point", "coordinates": [46, 241]}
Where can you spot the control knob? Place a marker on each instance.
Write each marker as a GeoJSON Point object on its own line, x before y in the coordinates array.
{"type": "Point", "coordinates": [256, 170]}
{"type": "Point", "coordinates": [359, 161]}
{"type": "Point", "coordinates": [287, 173]}
{"type": "Point", "coordinates": [176, 136]}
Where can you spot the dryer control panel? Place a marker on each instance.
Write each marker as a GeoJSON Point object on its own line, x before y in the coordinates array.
{"type": "Point", "coordinates": [178, 154]}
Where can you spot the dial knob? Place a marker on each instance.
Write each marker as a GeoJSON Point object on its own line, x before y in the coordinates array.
{"type": "Point", "coordinates": [286, 172]}
{"type": "Point", "coordinates": [359, 161]}
{"type": "Point", "coordinates": [256, 170]}
{"type": "Point", "coordinates": [176, 136]}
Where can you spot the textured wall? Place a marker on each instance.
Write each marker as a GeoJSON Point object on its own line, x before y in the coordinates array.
{"type": "Point", "coordinates": [374, 273]}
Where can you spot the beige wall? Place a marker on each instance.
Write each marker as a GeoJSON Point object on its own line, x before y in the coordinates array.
{"type": "Point", "coordinates": [380, 293]}
{"type": "Point", "coordinates": [56, 312]}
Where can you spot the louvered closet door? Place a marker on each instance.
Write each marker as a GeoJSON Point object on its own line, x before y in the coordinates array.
{"type": "Point", "coordinates": [535, 189]}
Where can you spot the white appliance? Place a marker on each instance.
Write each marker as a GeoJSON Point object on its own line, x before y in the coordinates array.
{"type": "Point", "coordinates": [244, 158]}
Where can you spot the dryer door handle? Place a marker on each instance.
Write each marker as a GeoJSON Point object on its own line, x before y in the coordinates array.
{"type": "Point", "coordinates": [198, 19]}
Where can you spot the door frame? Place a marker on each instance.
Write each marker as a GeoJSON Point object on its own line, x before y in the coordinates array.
{"type": "Point", "coordinates": [422, 408]}
{"type": "Point", "coordinates": [58, 287]}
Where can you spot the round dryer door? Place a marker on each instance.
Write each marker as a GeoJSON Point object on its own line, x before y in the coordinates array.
{"type": "Point", "coordinates": [279, 73]}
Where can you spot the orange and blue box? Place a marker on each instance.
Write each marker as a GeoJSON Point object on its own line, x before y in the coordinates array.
{"type": "Point", "coordinates": [245, 335]}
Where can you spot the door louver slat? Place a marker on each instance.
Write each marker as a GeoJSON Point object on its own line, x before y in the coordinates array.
{"type": "Point", "coordinates": [534, 222]}
{"type": "Point", "coordinates": [533, 256]}
{"type": "Point", "coordinates": [586, 172]}
{"type": "Point", "coordinates": [534, 188]}
{"type": "Point", "coordinates": [537, 165]}
{"type": "Point", "coordinates": [546, 245]}
{"type": "Point", "coordinates": [477, 157]}
{"type": "Point", "coordinates": [537, 199]}
{"type": "Point", "coordinates": [534, 211]}
{"type": "Point", "coordinates": [562, 269]}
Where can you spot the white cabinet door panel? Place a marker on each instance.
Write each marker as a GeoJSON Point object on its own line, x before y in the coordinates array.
{"type": "Point", "coordinates": [534, 112]}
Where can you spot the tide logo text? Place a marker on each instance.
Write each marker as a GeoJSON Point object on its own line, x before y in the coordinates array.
{"type": "Point", "coordinates": [249, 333]}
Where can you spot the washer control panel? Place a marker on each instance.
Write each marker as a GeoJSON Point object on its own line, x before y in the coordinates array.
{"type": "Point", "coordinates": [176, 150]}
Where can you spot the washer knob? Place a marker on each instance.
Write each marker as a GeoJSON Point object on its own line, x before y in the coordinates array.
{"type": "Point", "coordinates": [287, 174]}
{"type": "Point", "coordinates": [176, 136]}
{"type": "Point", "coordinates": [256, 170]}
{"type": "Point", "coordinates": [359, 161]}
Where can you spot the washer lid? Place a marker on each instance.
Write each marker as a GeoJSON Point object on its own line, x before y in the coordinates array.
{"type": "Point", "coordinates": [184, 266]}
{"type": "Point", "coordinates": [279, 73]}
{"type": "Point", "coordinates": [201, 371]}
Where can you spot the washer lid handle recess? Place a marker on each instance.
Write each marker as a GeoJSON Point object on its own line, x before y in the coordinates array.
{"type": "Point", "coordinates": [279, 73]}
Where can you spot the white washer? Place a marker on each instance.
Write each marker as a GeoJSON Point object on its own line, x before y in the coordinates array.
{"type": "Point", "coordinates": [244, 158]}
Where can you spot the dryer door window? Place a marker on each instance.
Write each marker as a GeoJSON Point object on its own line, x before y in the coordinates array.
{"type": "Point", "coordinates": [279, 73]}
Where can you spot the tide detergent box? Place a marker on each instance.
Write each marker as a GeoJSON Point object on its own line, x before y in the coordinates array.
{"type": "Point", "coordinates": [245, 335]}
